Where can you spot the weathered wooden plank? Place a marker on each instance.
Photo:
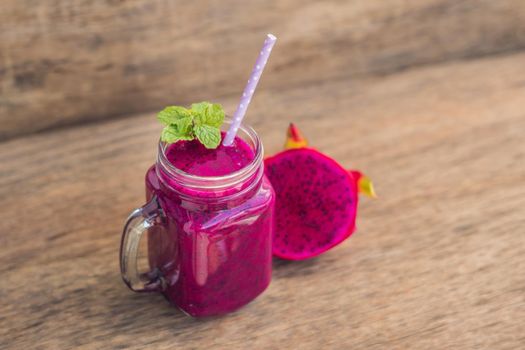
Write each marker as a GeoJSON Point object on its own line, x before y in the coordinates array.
{"type": "Point", "coordinates": [437, 261]}
{"type": "Point", "coordinates": [78, 60]}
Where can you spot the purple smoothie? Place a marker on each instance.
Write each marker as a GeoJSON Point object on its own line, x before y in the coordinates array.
{"type": "Point", "coordinates": [195, 159]}
{"type": "Point", "coordinates": [215, 254]}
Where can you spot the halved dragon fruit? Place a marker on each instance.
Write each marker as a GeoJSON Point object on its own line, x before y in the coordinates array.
{"type": "Point", "coordinates": [316, 199]}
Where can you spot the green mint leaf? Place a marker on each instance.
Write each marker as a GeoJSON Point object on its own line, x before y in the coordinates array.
{"type": "Point", "coordinates": [215, 115]}
{"type": "Point", "coordinates": [207, 113]}
{"type": "Point", "coordinates": [200, 108]}
{"type": "Point", "coordinates": [183, 125]}
{"type": "Point", "coordinates": [171, 114]}
{"type": "Point", "coordinates": [209, 136]}
{"type": "Point", "coordinates": [203, 121]}
{"type": "Point", "coordinates": [171, 134]}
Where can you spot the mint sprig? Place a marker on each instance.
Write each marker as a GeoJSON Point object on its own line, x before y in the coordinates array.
{"type": "Point", "coordinates": [202, 121]}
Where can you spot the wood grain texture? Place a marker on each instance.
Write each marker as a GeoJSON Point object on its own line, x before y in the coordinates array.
{"type": "Point", "coordinates": [438, 261]}
{"type": "Point", "coordinates": [68, 61]}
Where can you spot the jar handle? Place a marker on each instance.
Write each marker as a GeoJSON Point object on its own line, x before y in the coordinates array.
{"type": "Point", "coordinates": [139, 221]}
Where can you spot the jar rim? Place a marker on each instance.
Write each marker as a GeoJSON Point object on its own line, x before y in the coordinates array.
{"type": "Point", "coordinates": [215, 182]}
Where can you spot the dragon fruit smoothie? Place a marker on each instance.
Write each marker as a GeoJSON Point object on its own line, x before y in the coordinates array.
{"type": "Point", "coordinates": [214, 254]}
{"type": "Point", "coordinates": [209, 210]}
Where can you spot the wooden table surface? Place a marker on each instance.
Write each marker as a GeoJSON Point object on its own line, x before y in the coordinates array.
{"type": "Point", "coordinates": [438, 260]}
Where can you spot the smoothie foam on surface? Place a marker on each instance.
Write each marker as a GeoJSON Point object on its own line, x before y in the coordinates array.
{"type": "Point", "coordinates": [195, 159]}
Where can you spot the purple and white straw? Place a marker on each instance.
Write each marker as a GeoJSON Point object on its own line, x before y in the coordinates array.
{"type": "Point", "coordinates": [249, 89]}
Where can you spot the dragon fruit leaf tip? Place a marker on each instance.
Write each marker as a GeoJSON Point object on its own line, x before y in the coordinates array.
{"type": "Point", "coordinates": [294, 138]}
{"type": "Point", "coordinates": [364, 184]}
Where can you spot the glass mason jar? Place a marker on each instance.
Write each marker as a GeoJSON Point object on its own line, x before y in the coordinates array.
{"type": "Point", "coordinates": [209, 237]}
